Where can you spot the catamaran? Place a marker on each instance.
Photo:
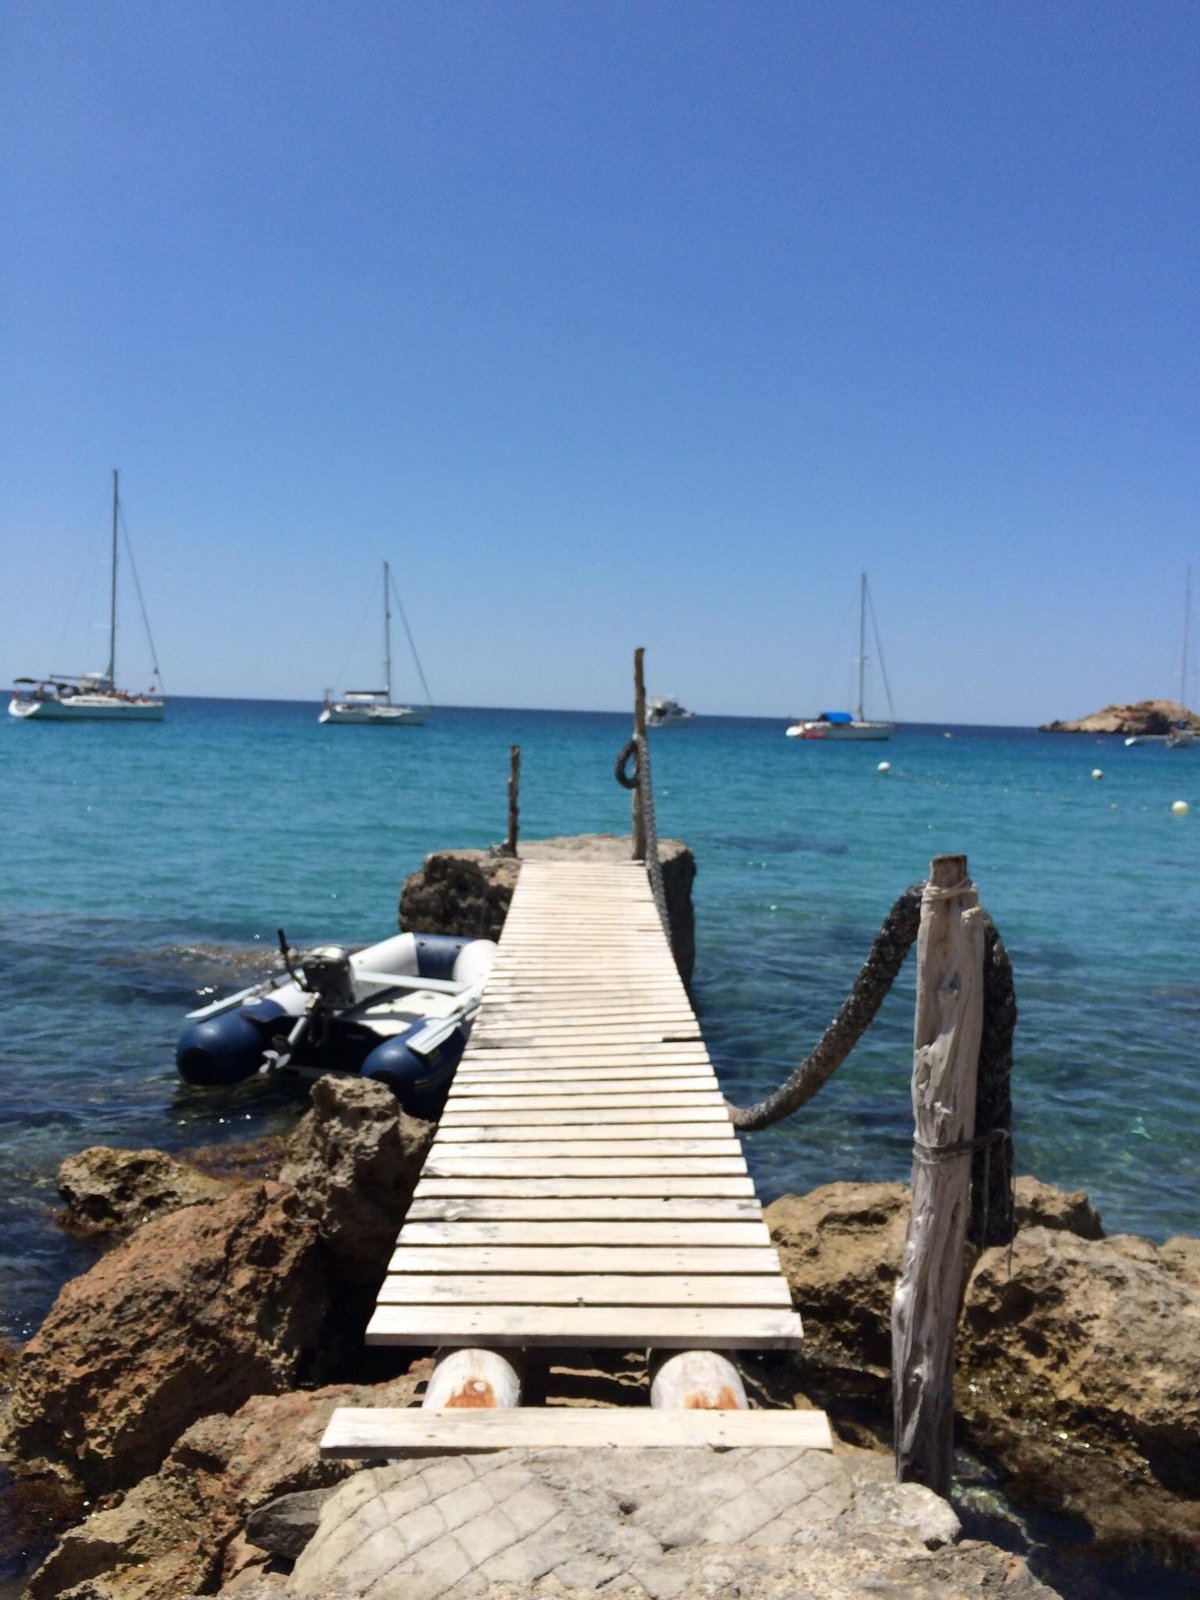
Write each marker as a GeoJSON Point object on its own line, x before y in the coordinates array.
{"type": "Point", "coordinates": [375, 707]}
{"type": "Point", "coordinates": [93, 696]}
{"type": "Point", "coordinates": [834, 725]}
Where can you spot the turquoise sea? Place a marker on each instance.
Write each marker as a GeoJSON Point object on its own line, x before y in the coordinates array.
{"type": "Point", "coordinates": [143, 865]}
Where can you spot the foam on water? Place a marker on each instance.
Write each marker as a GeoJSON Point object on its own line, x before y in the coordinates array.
{"type": "Point", "coordinates": [144, 865]}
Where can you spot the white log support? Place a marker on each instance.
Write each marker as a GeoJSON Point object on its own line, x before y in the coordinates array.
{"type": "Point", "coordinates": [695, 1380]}
{"type": "Point", "coordinates": [947, 1035]}
{"type": "Point", "coordinates": [473, 1379]}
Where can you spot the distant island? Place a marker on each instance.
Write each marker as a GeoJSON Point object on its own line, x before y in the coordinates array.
{"type": "Point", "coordinates": [1143, 716]}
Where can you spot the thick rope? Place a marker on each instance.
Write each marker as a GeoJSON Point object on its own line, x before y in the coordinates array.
{"type": "Point", "coordinates": [640, 780]}
{"type": "Point", "coordinates": [992, 1218]}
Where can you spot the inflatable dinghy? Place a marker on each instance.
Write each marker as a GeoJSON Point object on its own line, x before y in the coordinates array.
{"type": "Point", "coordinates": [399, 1011]}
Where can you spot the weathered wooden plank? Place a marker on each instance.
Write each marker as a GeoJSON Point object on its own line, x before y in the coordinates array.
{"type": "Point", "coordinates": [465, 1104]}
{"type": "Point", "coordinates": [645, 1208]}
{"type": "Point", "coordinates": [564, 1234]}
{"type": "Point", "coordinates": [659, 1260]}
{"type": "Point", "coordinates": [505, 1288]}
{"type": "Point", "coordinates": [555, 1133]}
{"type": "Point", "coordinates": [488, 1163]}
{"type": "Point", "coordinates": [669, 1327]}
{"type": "Point", "coordinates": [539, 1186]}
{"type": "Point", "coordinates": [723, 1145]}
{"type": "Point", "coordinates": [473, 1115]}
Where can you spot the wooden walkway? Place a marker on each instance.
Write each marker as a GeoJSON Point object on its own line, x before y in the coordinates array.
{"type": "Point", "coordinates": [585, 1186]}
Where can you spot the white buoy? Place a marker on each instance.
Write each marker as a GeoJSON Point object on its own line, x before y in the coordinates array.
{"type": "Point", "coordinates": [1180, 808]}
{"type": "Point", "coordinates": [884, 766]}
{"type": "Point", "coordinates": [1096, 772]}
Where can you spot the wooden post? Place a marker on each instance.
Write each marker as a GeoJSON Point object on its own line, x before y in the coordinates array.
{"type": "Point", "coordinates": [639, 731]}
{"type": "Point", "coordinates": [695, 1380]}
{"type": "Point", "coordinates": [946, 1043]}
{"type": "Point", "coordinates": [514, 787]}
{"type": "Point", "coordinates": [474, 1380]}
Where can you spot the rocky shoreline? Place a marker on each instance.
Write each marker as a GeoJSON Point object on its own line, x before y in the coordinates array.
{"type": "Point", "coordinates": [1139, 717]}
{"type": "Point", "coordinates": [160, 1430]}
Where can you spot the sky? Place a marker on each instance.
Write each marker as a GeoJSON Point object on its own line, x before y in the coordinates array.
{"type": "Point", "coordinates": [607, 324]}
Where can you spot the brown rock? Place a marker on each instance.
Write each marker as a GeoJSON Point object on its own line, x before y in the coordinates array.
{"type": "Point", "coordinates": [1142, 716]}
{"type": "Point", "coordinates": [467, 892]}
{"type": "Point", "coordinates": [111, 1191]}
{"type": "Point", "coordinates": [1080, 1374]}
{"type": "Point", "coordinates": [1040, 1205]}
{"type": "Point", "coordinates": [179, 1531]}
{"type": "Point", "coordinates": [192, 1314]}
{"type": "Point", "coordinates": [354, 1161]}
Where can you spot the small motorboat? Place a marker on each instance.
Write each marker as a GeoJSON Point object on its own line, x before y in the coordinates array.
{"type": "Point", "coordinates": [399, 1011]}
{"type": "Point", "coordinates": [664, 711]}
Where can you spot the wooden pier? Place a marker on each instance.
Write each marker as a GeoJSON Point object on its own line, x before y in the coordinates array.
{"type": "Point", "coordinates": [585, 1186]}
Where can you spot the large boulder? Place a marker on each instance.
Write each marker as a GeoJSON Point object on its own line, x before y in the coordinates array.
{"type": "Point", "coordinates": [111, 1192]}
{"type": "Point", "coordinates": [755, 1524]}
{"type": "Point", "coordinates": [1078, 1357]}
{"type": "Point", "coordinates": [193, 1314]}
{"type": "Point", "coordinates": [354, 1161]}
{"type": "Point", "coordinates": [180, 1531]}
{"type": "Point", "coordinates": [467, 892]}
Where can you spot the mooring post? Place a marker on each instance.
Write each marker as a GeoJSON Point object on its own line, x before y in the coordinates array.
{"type": "Point", "coordinates": [946, 1041]}
{"type": "Point", "coordinates": [639, 732]}
{"type": "Point", "coordinates": [514, 788]}
{"type": "Point", "coordinates": [695, 1380]}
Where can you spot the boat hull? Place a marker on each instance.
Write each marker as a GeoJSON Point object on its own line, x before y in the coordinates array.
{"type": "Point", "coordinates": [841, 732]}
{"type": "Point", "coordinates": [376, 716]}
{"type": "Point", "coordinates": [87, 708]}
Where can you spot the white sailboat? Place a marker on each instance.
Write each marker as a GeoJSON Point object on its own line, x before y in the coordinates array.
{"type": "Point", "coordinates": [1182, 735]}
{"type": "Point", "coordinates": [93, 696]}
{"type": "Point", "coordinates": [375, 707]}
{"type": "Point", "coordinates": [840, 725]}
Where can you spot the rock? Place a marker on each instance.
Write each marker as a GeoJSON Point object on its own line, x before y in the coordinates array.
{"type": "Point", "coordinates": [112, 1191]}
{"type": "Point", "coordinates": [661, 1523]}
{"type": "Point", "coordinates": [1142, 716]}
{"type": "Point", "coordinates": [1039, 1205]}
{"type": "Point", "coordinates": [1079, 1373]}
{"type": "Point", "coordinates": [467, 892]}
{"type": "Point", "coordinates": [179, 1531]}
{"type": "Point", "coordinates": [284, 1526]}
{"type": "Point", "coordinates": [192, 1314]}
{"type": "Point", "coordinates": [354, 1161]}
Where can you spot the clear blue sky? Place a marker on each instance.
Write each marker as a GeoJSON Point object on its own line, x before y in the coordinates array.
{"type": "Point", "coordinates": [609, 324]}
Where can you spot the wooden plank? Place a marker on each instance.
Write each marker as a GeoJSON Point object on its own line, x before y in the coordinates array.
{"type": "Point", "coordinates": [644, 1208]}
{"type": "Point", "coordinates": [753, 1260]}
{"type": "Point", "coordinates": [539, 1186]}
{"type": "Point", "coordinates": [554, 1133]}
{"type": "Point", "coordinates": [563, 1235]}
{"type": "Point", "coordinates": [724, 1146]}
{"type": "Point", "coordinates": [459, 1105]}
{"type": "Point", "coordinates": [473, 1114]}
{"type": "Point", "coordinates": [504, 1288]}
{"type": "Point", "coordinates": [487, 1163]}
{"type": "Point", "coordinates": [668, 1327]}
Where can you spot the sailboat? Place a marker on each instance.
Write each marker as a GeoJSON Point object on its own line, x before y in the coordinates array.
{"type": "Point", "coordinates": [375, 707]}
{"type": "Point", "coordinates": [837, 725]}
{"type": "Point", "coordinates": [94, 696]}
{"type": "Point", "coordinates": [1182, 735]}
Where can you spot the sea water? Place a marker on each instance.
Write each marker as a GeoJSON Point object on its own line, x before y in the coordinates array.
{"type": "Point", "coordinates": [143, 866]}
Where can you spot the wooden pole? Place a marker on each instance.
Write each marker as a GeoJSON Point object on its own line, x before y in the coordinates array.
{"type": "Point", "coordinates": [639, 731]}
{"type": "Point", "coordinates": [947, 1034]}
{"type": "Point", "coordinates": [514, 787]}
{"type": "Point", "coordinates": [473, 1380]}
{"type": "Point", "coordinates": [695, 1380]}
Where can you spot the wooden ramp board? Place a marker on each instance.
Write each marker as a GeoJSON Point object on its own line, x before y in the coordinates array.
{"type": "Point", "coordinates": [585, 1186]}
{"type": "Point", "coordinates": [376, 1433]}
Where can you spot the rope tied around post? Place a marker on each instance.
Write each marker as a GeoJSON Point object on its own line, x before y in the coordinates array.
{"type": "Point", "coordinates": [639, 750]}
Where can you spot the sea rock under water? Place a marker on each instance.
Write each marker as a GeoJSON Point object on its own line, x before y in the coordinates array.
{"type": "Point", "coordinates": [111, 1192]}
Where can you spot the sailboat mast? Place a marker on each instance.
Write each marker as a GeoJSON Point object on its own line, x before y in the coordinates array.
{"type": "Point", "coordinates": [387, 632]}
{"type": "Point", "coordinates": [1187, 628]}
{"type": "Point", "coordinates": [862, 643]}
{"type": "Point", "coordinates": [112, 607]}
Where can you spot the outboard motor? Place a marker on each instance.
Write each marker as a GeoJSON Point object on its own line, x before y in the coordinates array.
{"type": "Point", "coordinates": [325, 972]}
